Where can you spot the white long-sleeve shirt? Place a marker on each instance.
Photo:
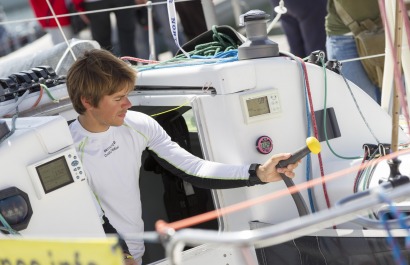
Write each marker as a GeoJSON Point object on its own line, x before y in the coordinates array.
{"type": "Point", "coordinates": [112, 161]}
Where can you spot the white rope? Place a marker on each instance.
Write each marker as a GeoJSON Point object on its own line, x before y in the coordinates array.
{"type": "Point", "coordinates": [280, 9]}
{"type": "Point", "coordinates": [362, 58]}
{"type": "Point", "coordinates": [60, 28]}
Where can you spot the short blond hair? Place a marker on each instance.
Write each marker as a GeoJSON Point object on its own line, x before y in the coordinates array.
{"type": "Point", "coordinates": [96, 74]}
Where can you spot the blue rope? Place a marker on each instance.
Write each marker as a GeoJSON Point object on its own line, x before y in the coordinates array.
{"type": "Point", "coordinates": [398, 257]}
{"type": "Point", "coordinates": [308, 118]}
{"type": "Point", "coordinates": [309, 133]}
{"type": "Point", "coordinates": [221, 57]}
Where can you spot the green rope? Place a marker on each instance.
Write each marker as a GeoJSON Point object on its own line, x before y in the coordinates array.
{"type": "Point", "coordinates": [221, 43]}
{"type": "Point", "coordinates": [7, 227]}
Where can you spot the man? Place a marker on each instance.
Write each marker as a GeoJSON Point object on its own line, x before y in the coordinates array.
{"type": "Point", "coordinates": [110, 141]}
{"type": "Point", "coordinates": [341, 44]}
{"type": "Point", "coordinates": [100, 23]}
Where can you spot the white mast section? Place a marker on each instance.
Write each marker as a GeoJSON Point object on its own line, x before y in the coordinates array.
{"type": "Point", "coordinates": [387, 87]}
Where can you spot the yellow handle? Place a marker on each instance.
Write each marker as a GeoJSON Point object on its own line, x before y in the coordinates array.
{"type": "Point", "coordinates": [313, 144]}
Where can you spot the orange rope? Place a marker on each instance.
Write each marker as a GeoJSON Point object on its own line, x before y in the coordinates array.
{"type": "Point", "coordinates": [162, 227]}
{"type": "Point", "coordinates": [40, 95]}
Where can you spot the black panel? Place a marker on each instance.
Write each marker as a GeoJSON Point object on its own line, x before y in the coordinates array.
{"type": "Point", "coordinates": [332, 127]}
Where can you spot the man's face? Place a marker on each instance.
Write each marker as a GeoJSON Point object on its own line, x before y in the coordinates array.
{"type": "Point", "coordinates": [110, 111]}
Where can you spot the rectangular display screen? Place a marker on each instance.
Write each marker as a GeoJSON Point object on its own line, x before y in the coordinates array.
{"type": "Point", "coordinates": [54, 174]}
{"type": "Point", "coordinates": [258, 106]}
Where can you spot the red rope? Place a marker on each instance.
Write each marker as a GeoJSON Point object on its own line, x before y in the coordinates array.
{"type": "Point", "coordinates": [315, 131]}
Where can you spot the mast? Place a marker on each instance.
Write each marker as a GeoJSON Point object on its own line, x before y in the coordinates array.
{"type": "Point", "coordinates": [396, 59]}
{"type": "Point", "coordinates": [398, 33]}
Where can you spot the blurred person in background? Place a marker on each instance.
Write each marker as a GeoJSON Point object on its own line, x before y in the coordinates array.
{"type": "Point", "coordinates": [192, 18]}
{"type": "Point", "coordinates": [41, 9]}
{"type": "Point", "coordinates": [304, 25]}
{"type": "Point", "coordinates": [341, 44]}
{"type": "Point", "coordinates": [100, 24]}
{"type": "Point", "coordinates": [164, 41]}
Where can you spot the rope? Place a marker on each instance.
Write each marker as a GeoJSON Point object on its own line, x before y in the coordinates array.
{"type": "Point", "coordinates": [221, 50]}
{"type": "Point", "coordinates": [358, 109]}
{"type": "Point", "coordinates": [13, 127]}
{"type": "Point", "coordinates": [391, 240]}
{"type": "Point", "coordinates": [7, 227]}
{"type": "Point", "coordinates": [49, 93]}
{"type": "Point", "coordinates": [316, 133]}
{"type": "Point", "coordinates": [162, 226]}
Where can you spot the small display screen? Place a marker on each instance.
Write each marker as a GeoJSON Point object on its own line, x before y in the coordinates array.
{"type": "Point", "coordinates": [54, 174]}
{"type": "Point", "coordinates": [258, 106]}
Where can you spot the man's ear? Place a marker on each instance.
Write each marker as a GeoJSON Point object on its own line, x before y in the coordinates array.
{"type": "Point", "coordinates": [86, 103]}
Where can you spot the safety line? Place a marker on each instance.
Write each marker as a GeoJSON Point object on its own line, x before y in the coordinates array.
{"type": "Point", "coordinates": [163, 227]}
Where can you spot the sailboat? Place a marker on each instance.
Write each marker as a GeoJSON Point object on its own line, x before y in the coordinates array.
{"type": "Point", "coordinates": [348, 204]}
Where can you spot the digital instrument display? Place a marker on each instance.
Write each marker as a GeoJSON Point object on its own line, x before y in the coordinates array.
{"type": "Point", "coordinates": [261, 105]}
{"type": "Point", "coordinates": [258, 106]}
{"type": "Point", "coordinates": [56, 171]}
{"type": "Point", "coordinates": [54, 174]}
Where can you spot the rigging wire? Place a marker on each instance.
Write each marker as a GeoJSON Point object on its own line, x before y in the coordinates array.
{"type": "Point", "coordinates": [325, 118]}
{"type": "Point", "coordinates": [359, 109]}
{"type": "Point", "coordinates": [362, 58]}
{"type": "Point", "coordinates": [60, 28]}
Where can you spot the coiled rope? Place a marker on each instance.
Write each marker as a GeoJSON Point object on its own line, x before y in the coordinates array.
{"type": "Point", "coordinates": [222, 49]}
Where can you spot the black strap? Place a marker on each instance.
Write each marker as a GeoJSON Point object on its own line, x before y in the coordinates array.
{"type": "Point", "coordinates": [347, 19]}
{"type": "Point", "coordinates": [354, 26]}
{"type": "Point", "coordinates": [109, 229]}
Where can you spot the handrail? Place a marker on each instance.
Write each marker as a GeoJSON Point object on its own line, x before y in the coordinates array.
{"type": "Point", "coordinates": [282, 232]}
